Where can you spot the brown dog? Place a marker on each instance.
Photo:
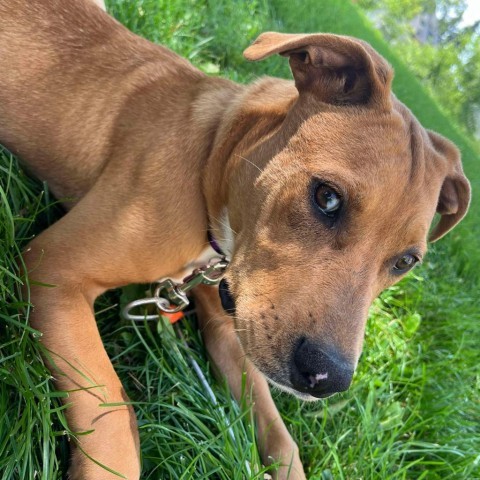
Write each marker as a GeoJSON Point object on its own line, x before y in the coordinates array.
{"type": "Point", "coordinates": [322, 191]}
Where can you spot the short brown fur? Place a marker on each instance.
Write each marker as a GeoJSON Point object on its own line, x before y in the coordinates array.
{"type": "Point", "coordinates": [150, 151]}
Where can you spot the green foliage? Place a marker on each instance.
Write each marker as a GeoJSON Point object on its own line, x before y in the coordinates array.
{"type": "Point", "coordinates": [31, 416]}
{"type": "Point", "coordinates": [413, 410]}
{"type": "Point", "coordinates": [450, 69]}
{"type": "Point", "coordinates": [207, 33]}
{"type": "Point", "coordinates": [394, 16]}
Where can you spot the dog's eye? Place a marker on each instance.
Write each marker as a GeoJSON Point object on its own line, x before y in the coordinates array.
{"type": "Point", "coordinates": [327, 200]}
{"type": "Point", "coordinates": [405, 263]}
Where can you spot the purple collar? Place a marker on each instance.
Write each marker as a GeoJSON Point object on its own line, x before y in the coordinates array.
{"type": "Point", "coordinates": [213, 243]}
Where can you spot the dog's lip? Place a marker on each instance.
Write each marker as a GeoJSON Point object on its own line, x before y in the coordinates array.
{"type": "Point", "coordinates": [308, 397]}
{"type": "Point", "coordinates": [309, 393]}
{"type": "Point", "coordinates": [322, 395]}
{"type": "Point", "coordinates": [312, 393]}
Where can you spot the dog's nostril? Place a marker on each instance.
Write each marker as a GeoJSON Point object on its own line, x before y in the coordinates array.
{"type": "Point", "coordinates": [318, 373]}
{"type": "Point", "coordinates": [228, 303]}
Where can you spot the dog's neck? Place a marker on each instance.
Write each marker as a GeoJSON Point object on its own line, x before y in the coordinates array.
{"type": "Point", "coordinates": [236, 117]}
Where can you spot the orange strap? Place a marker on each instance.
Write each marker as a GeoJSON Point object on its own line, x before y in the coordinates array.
{"type": "Point", "coordinates": [173, 317]}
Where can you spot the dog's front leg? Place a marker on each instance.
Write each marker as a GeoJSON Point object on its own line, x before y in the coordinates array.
{"type": "Point", "coordinates": [69, 265]}
{"type": "Point", "coordinates": [275, 442]}
{"type": "Point", "coordinates": [80, 366]}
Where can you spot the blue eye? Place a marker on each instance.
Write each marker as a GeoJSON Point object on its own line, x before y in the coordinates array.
{"type": "Point", "coordinates": [327, 200]}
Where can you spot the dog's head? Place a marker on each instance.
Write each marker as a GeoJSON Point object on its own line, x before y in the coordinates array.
{"type": "Point", "coordinates": [330, 198]}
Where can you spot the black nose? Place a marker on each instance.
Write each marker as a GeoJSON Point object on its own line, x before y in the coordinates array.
{"type": "Point", "coordinates": [228, 303]}
{"type": "Point", "coordinates": [319, 373]}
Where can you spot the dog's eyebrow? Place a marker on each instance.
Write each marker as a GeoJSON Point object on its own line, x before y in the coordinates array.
{"type": "Point", "coordinates": [344, 180]}
{"type": "Point", "coordinates": [416, 151]}
{"type": "Point", "coordinates": [417, 251]}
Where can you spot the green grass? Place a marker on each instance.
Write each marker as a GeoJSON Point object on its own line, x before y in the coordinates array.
{"type": "Point", "coordinates": [413, 411]}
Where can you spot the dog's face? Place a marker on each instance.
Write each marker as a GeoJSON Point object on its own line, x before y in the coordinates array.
{"type": "Point", "coordinates": [329, 210]}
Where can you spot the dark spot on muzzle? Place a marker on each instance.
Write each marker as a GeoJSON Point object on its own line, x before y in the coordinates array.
{"type": "Point", "coordinates": [228, 303]}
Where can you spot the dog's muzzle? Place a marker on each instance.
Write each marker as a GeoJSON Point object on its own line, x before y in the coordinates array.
{"type": "Point", "coordinates": [228, 303]}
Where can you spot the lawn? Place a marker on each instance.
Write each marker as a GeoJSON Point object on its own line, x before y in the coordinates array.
{"type": "Point", "coordinates": [413, 411]}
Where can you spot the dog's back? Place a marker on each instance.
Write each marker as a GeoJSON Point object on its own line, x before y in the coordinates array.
{"type": "Point", "coordinates": [67, 78]}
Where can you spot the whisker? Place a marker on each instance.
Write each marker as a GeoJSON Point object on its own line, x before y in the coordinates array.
{"type": "Point", "coordinates": [226, 225]}
{"type": "Point", "coordinates": [250, 162]}
{"type": "Point", "coordinates": [243, 357]}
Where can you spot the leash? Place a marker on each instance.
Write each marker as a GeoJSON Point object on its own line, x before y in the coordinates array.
{"type": "Point", "coordinates": [171, 298]}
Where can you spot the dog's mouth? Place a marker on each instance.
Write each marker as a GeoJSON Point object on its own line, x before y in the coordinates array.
{"type": "Point", "coordinates": [228, 302]}
{"type": "Point", "coordinates": [306, 397]}
{"type": "Point", "coordinates": [287, 384]}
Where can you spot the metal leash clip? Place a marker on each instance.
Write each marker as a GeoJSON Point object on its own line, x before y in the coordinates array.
{"type": "Point", "coordinates": [171, 297]}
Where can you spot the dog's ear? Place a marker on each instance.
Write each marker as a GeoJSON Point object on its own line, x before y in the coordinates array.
{"type": "Point", "coordinates": [336, 69]}
{"type": "Point", "coordinates": [454, 197]}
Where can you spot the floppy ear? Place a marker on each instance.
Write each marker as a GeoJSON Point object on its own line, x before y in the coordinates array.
{"type": "Point", "coordinates": [454, 197]}
{"type": "Point", "coordinates": [336, 69]}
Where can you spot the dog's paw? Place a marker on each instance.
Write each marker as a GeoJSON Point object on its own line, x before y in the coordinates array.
{"type": "Point", "coordinates": [86, 467]}
{"type": "Point", "coordinates": [110, 449]}
{"type": "Point", "coordinates": [288, 465]}
{"type": "Point", "coordinates": [290, 472]}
